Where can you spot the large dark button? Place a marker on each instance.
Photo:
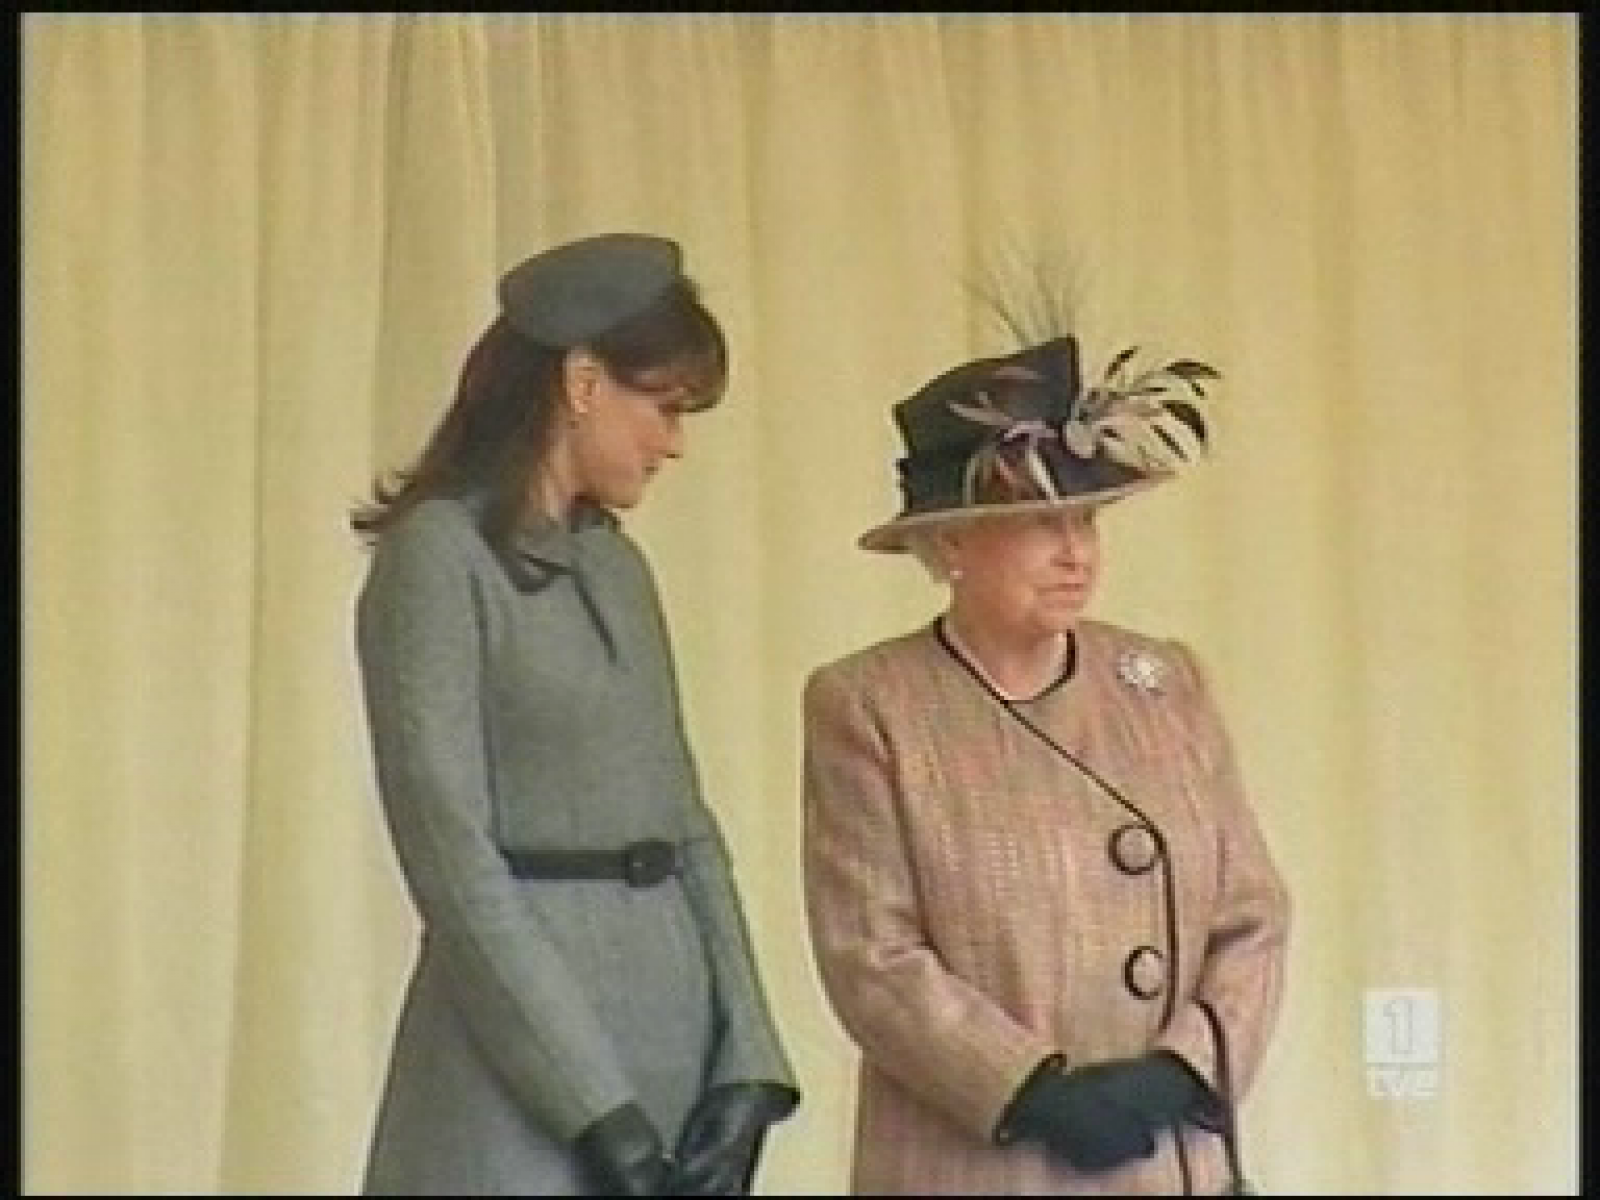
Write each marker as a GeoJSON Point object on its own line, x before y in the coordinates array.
{"type": "Point", "coordinates": [1144, 973]}
{"type": "Point", "coordinates": [1133, 848]}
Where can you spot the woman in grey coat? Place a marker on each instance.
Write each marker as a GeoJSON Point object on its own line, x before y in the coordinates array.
{"type": "Point", "coordinates": [585, 1014]}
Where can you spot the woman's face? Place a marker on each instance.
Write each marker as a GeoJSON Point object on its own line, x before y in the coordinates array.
{"type": "Point", "coordinates": [622, 433]}
{"type": "Point", "coordinates": [1026, 574]}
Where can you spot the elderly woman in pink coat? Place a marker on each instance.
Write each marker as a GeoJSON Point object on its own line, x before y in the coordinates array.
{"type": "Point", "coordinates": [1039, 900]}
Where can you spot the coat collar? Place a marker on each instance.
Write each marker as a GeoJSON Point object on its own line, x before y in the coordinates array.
{"type": "Point", "coordinates": [553, 545]}
{"type": "Point", "coordinates": [546, 549]}
{"type": "Point", "coordinates": [538, 552]}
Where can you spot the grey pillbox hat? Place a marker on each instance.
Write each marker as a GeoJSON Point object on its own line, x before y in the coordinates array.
{"type": "Point", "coordinates": [578, 290]}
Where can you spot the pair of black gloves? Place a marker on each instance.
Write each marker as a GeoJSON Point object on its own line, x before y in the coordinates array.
{"type": "Point", "coordinates": [1101, 1115]}
{"type": "Point", "coordinates": [716, 1153]}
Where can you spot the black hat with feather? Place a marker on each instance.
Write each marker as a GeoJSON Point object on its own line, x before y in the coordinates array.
{"type": "Point", "coordinates": [1021, 432]}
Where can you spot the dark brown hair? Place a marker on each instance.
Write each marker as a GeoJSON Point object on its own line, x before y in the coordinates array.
{"type": "Point", "coordinates": [497, 433]}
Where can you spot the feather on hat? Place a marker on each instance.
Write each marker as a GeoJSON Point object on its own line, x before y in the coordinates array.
{"type": "Point", "coordinates": [1020, 433]}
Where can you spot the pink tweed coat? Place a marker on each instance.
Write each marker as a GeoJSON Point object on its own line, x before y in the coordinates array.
{"type": "Point", "coordinates": [969, 916]}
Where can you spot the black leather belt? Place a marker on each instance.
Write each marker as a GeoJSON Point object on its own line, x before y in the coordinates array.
{"type": "Point", "coordinates": [638, 864]}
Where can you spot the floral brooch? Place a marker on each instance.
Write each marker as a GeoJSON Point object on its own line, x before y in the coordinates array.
{"type": "Point", "coordinates": [1141, 670]}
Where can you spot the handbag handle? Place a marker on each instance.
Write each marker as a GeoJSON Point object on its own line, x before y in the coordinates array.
{"type": "Point", "coordinates": [1238, 1185]}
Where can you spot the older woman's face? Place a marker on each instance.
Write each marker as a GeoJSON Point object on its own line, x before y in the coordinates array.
{"type": "Point", "coordinates": [1026, 574]}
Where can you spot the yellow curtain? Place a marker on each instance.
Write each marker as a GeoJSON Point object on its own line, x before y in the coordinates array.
{"type": "Point", "coordinates": [255, 248]}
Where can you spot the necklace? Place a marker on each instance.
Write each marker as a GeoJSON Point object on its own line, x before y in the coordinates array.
{"type": "Point", "coordinates": [1063, 669]}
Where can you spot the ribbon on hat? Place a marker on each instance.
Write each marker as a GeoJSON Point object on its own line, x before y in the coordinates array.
{"type": "Point", "coordinates": [990, 460]}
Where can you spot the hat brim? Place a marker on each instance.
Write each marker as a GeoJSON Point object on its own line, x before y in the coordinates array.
{"type": "Point", "coordinates": [890, 537]}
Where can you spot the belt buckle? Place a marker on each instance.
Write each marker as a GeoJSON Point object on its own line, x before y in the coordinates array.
{"type": "Point", "coordinates": [647, 863]}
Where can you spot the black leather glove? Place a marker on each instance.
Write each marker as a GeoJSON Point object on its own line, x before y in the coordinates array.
{"type": "Point", "coordinates": [1159, 1086]}
{"type": "Point", "coordinates": [623, 1151]}
{"type": "Point", "coordinates": [722, 1138]}
{"type": "Point", "coordinates": [1077, 1116]}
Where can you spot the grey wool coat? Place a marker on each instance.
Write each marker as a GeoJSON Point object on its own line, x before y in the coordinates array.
{"type": "Point", "coordinates": [969, 916]}
{"type": "Point", "coordinates": [527, 700]}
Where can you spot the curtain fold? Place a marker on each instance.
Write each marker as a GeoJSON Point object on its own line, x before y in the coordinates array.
{"type": "Point", "coordinates": [256, 248]}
